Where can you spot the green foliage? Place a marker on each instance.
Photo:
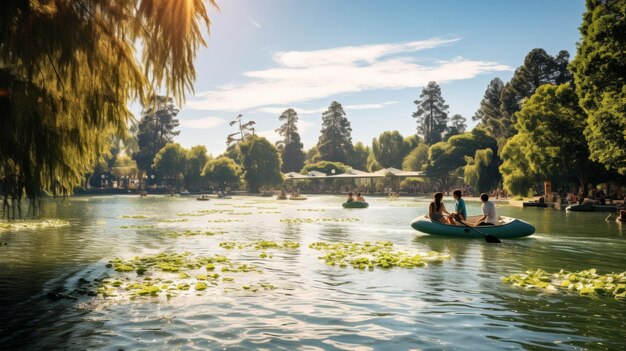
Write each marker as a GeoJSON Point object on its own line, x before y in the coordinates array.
{"type": "Point", "coordinates": [222, 171]}
{"type": "Point", "coordinates": [261, 163]}
{"type": "Point", "coordinates": [446, 158]}
{"type": "Point", "coordinates": [124, 166]}
{"type": "Point", "coordinates": [516, 174]}
{"type": "Point", "coordinates": [389, 149]}
{"type": "Point", "coordinates": [372, 164]}
{"type": "Point", "coordinates": [538, 69]}
{"type": "Point", "coordinates": [359, 156]}
{"type": "Point", "coordinates": [416, 159]}
{"type": "Point", "coordinates": [291, 145]}
{"type": "Point", "coordinates": [335, 141]}
{"type": "Point", "coordinates": [170, 161]}
{"type": "Point", "coordinates": [244, 129]}
{"type": "Point", "coordinates": [155, 130]}
{"type": "Point", "coordinates": [71, 69]}
{"type": "Point", "coordinates": [598, 70]}
{"type": "Point", "coordinates": [456, 127]}
{"type": "Point", "coordinates": [481, 171]}
{"type": "Point", "coordinates": [326, 167]}
{"type": "Point", "coordinates": [196, 159]}
{"type": "Point", "coordinates": [432, 114]}
{"type": "Point", "coordinates": [489, 114]}
{"type": "Point", "coordinates": [550, 137]}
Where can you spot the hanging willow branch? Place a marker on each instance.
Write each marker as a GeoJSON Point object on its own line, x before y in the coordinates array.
{"type": "Point", "coordinates": [69, 68]}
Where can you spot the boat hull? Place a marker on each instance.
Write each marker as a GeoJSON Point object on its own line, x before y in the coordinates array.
{"type": "Point", "coordinates": [355, 204]}
{"type": "Point", "coordinates": [510, 228]}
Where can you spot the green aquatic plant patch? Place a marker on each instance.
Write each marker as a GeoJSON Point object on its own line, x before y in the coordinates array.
{"type": "Point", "coordinates": [319, 220]}
{"type": "Point", "coordinates": [224, 220]}
{"type": "Point", "coordinates": [368, 255]}
{"type": "Point", "coordinates": [30, 224]}
{"type": "Point", "coordinates": [173, 220]}
{"type": "Point", "coordinates": [134, 217]}
{"type": "Point", "coordinates": [170, 274]}
{"type": "Point", "coordinates": [311, 210]}
{"type": "Point", "coordinates": [584, 283]}
{"type": "Point", "coordinates": [260, 245]}
{"type": "Point", "coordinates": [137, 226]}
{"type": "Point", "coordinates": [187, 233]}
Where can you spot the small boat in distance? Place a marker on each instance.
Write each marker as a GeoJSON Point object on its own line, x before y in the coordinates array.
{"type": "Point", "coordinates": [506, 228]}
{"type": "Point", "coordinates": [203, 198]}
{"type": "Point", "coordinates": [355, 204]}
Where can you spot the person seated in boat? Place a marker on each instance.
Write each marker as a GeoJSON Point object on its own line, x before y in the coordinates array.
{"type": "Point", "coordinates": [359, 197]}
{"type": "Point", "coordinates": [490, 216]}
{"type": "Point", "coordinates": [460, 211]}
{"type": "Point", "coordinates": [282, 195]}
{"type": "Point", "coordinates": [350, 197]}
{"type": "Point", "coordinates": [437, 209]}
{"type": "Point", "coordinates": [622, 215]}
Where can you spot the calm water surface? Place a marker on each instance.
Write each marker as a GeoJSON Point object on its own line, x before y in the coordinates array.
{"type": "Point", "coordinates": [459, 304]}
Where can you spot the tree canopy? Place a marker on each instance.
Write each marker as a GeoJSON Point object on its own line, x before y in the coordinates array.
{"type": "Point", "coordinates": [222, 171]}
{"type": "Point", "coordinates": [432, 114]}
{"type": "Point", "coordinates": [390, 149]}
{"type": "Point", "coordinates": [156, 129]}
{"type": "Point", "coordinates": [335, 141]}
{"type": "Point", "coordinates": [290, 146]}
{"type": "Point", "coordinates": [600, 75]}
{"type": "Point", "coordinates": [261, 163]}
{"type": "Point", "coordinates": [170, 161]}
{"type": "Point", "coordinates": [488, 114]}
{"type": "Point", "coordinates": [550, 137]}
{"type": "Point", "coordinates": [327, 167]}
{"type": "Point", "coordinates": [538, 69]}
{"type": "Point", "coordinates": [69, 70]}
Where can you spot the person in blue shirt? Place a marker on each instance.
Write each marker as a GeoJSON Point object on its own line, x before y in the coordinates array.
{"type": "Point", "coordinates": [460, 210]}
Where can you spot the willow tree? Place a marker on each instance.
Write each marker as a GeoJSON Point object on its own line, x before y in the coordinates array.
{"type": "Point", "coordinates": [68, 70]}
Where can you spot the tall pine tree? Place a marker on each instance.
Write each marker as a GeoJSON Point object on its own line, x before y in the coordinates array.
{"type": "Point", "coordinates": [538, 69]}
{"type": "Point", "coordinates": [156, 129]}
{"type": "Point", "coordinates": [291, 145]}
{"type": "Point", "coordinates": [335, 142]}
{"type": "Point", "coordinates": [489, 114]}
{"type": "Point", "coordinates": [431, 114]}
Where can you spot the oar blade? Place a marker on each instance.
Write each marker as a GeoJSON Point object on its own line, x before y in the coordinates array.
{"type": "Point", "coordinates": [492, 239]}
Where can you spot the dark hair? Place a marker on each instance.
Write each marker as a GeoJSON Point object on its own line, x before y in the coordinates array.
{"type": "Point", "coordinates": [358, 194]}
{"type": "Point", "coordinates": [457, 192]}
{"type": "Point", "coordinates": [350, 194]}
{"type": "Point", "coordinates": [484, 196]}
{"type": "Point", "coordinates": [438, 197]}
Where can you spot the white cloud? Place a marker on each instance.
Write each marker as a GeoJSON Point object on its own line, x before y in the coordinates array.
{"type": "Point", "coordinates": [202, 123]}
{"type": "Point", "coordinates": [307, 75]}
{"type": "Point", "coordinates": [303, 111]}
{"type": "Point", "coordinates": [270, 135]}
{"type": "Point", "coordinates": [255, 23]}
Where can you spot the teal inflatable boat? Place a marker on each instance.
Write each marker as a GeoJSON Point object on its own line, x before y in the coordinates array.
{"type": "Point", "coordinates": [506, 228]}
{"type": "Point", "coordinates": [355, 204]}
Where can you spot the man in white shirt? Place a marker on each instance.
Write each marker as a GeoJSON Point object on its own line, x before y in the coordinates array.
{"type": "Point", "coordinates": [490, 216]}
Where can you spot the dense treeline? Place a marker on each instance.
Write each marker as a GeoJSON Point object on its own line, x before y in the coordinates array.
{"type": "Point", "coordinates": [555, 120]}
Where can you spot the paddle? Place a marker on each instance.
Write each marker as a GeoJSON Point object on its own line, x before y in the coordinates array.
{"type": "Point", "coordinates": [488, 237]}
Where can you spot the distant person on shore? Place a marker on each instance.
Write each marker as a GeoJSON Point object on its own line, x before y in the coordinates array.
{"type": "Point", "coordinates": [460, 211]}
{"type": "Point", "coordinates": [350, 197]}
{"type": "Point", "coordinates": [437, 209]}
{"type": "Point", "coordinates": [360, 197]}
{"type": "Point", "coordinates": [490, 216]}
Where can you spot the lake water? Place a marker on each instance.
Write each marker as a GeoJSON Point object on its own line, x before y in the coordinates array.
{"type": "Point", "coordinates": [458, 304]}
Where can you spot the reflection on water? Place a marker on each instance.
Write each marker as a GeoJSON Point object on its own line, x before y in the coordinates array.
{"type": "Point", "coordinates": [457, 304]}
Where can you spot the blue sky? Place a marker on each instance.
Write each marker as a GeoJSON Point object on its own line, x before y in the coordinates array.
{"type": "Point", "coordinates": [373, 57]}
